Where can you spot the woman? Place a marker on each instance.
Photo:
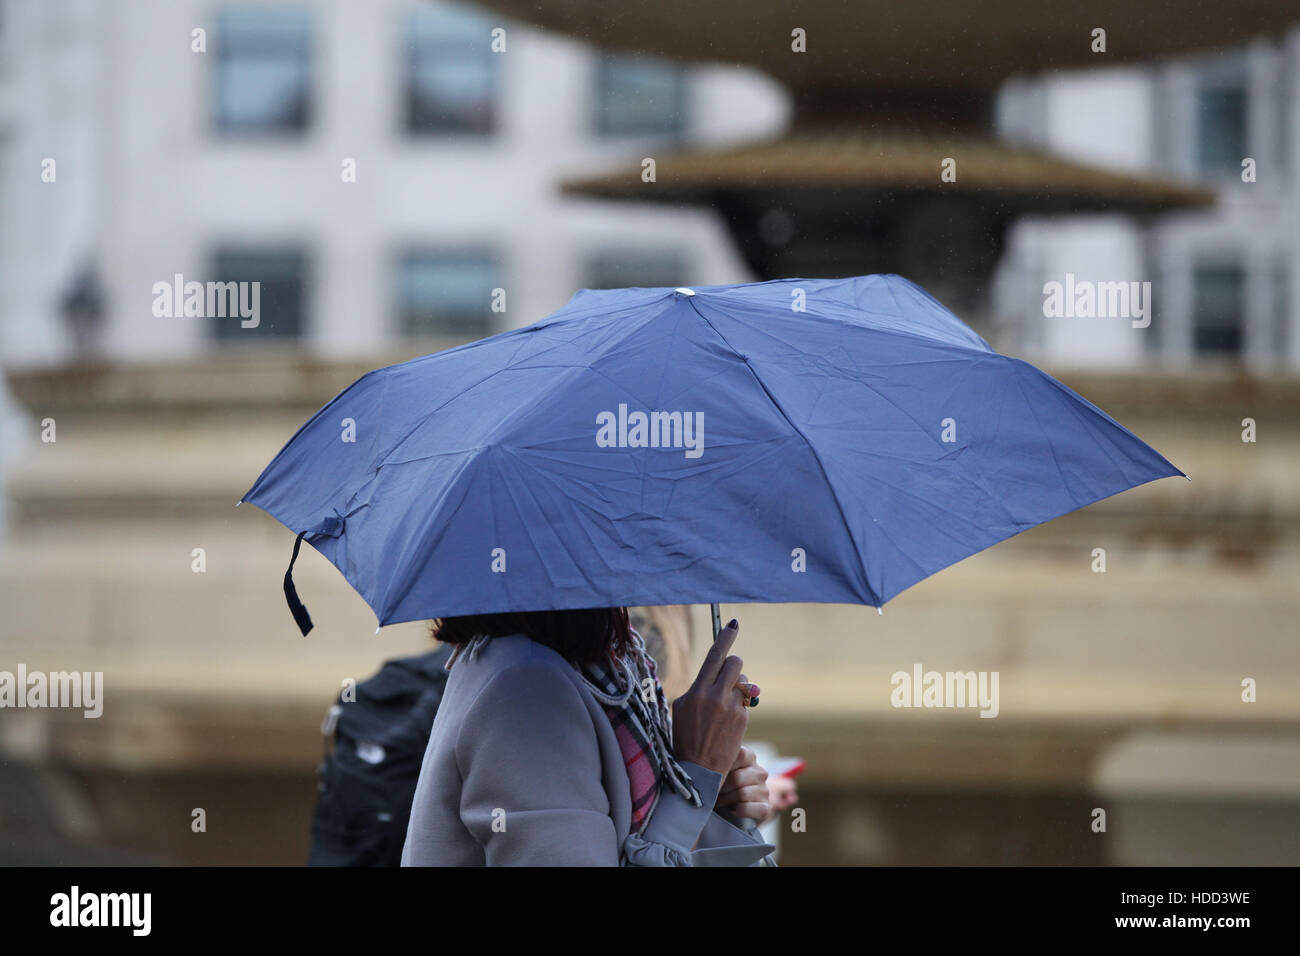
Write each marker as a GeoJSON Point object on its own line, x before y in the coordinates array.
{"type": "Point", "coordinates": [553, 747]}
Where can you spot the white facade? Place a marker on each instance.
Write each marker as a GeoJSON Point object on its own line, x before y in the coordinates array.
{"type": "Point", "coordinates": [148, 186]}
{"type": "Point", "coordinates": [1228, 270]}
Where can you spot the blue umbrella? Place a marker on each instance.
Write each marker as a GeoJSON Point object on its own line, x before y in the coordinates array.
{"type": "Point", "coordinates": [801, 440]}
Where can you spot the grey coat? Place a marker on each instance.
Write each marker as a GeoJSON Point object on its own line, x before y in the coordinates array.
{"type": "Point", "coordinates": [523, 769]}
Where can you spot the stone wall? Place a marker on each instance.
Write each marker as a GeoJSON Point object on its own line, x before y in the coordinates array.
{"type": "Point", "coordinates": [1117, 690]}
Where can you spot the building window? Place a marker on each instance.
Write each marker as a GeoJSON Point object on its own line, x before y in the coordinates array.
{"type": "Point", "coordinates": [1219, 301]}
{"type": "Point", "coordinates": [451, 73]}
{"type": "Point", "coordinates": [649, 269]}
{"type": "Point", "coordinates": [447, 292]}
{"type": "Point", "coordinates": [1221, 128]}
{"type": "Point", "coordinates": [280, 297]}
{"type": "Point", "coordinates": [639, 96]}
{"type": "Point", "coordinates": [263, 78]}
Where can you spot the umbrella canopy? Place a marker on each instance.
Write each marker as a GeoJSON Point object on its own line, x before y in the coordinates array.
{"type": "Point", "coordinates": [801, 440]}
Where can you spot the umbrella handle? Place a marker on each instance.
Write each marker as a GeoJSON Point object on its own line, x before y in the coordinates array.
{"type": "Point", "coordinates": [717, 620]}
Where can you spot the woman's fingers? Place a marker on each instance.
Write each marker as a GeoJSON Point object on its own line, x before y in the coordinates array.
{"type": "Point", "coordinates": [752, 793]}
{"type": "Point", "coordinates": [745, 758]}
{"type": "Point", "coordinates": [756, 811]}
{"type": "Point", "coordinates": [709, 720]}
{"type": "Point", "coordinates": [717, 654]}
{"type": "Point", "coordinates": [743, 776]}
{"type": "Point", "coordinates": [729, 676]}
{"type": "Point", "coordinates": [754, 776]}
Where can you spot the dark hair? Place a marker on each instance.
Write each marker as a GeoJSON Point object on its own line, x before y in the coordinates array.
{"type": "Point", "coordinates": [580, 637]}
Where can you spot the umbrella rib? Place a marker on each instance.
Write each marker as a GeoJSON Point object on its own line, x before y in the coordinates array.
{"type": "Point", "coordinates": [1051, 446]}
{"type": "Point", "coordinates": [813, 451]}
{"type": "Point", "coordinates": [915, 289]}
{"type": "Point", "coordinates": [386, 455]}
{"type": "Point", "coordinates": [850, 308]}
{"type": "Point", "coordinates": [968, 479]}
{"type": "Point", "coordinates": [531, 408]}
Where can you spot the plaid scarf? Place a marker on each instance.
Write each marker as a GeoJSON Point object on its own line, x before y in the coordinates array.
{"type": "Point", "coordinates": [643, 728]}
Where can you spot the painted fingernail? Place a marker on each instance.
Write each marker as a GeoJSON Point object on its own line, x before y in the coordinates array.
{"type": "Point", "coordinates": [753, 702]}
{"type": "Point", "coordinates": [734, 623]}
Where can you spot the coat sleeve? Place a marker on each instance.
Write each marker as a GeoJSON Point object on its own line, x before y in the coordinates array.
{"type": "Point", "coordinates": [682, 834]}
{"type": "Point", "coordinates": [529, 759]}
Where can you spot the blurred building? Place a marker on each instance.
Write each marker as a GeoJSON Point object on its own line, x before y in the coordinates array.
{"type": "Point", "coordinates": [379, 167]}
{"type": "Point", "coordinates": [893, 161]}
{"type": "Point", "coordinates": [124, 553]}
{"type": "Point", "coordinates": [1224, 277]}
{"type": "Point", "coordinates": [385, 172]}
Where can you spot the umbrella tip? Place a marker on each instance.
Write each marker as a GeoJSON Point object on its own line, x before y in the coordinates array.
{"type": "Point", "coordinates": [238, 503]}
{"type": "Point", "coordinates": [377, 629]}
{"type": "Point", "coordinates": [880, 610]}
{"type": "Point", "coordinates": [684, 291]}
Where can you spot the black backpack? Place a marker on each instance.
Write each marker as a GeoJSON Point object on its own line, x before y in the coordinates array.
{"type": "Point", "coordinates": [374, 746]}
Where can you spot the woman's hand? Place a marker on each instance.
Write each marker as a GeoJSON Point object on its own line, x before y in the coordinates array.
{"type": "Point", "coordinates": [744, 792]}
{"type": "Point", "coordinates": [709, 720]}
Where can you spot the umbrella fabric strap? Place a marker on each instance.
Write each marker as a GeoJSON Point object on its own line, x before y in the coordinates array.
{"type": "Point", "coordinates": [331, 527]}
{"type": "Point", "coordinates": [296, 607]}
